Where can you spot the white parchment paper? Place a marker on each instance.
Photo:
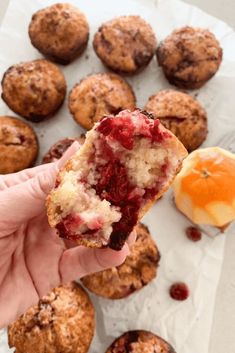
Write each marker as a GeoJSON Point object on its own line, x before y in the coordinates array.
{"type": "Point", "coordinates": [186, 324]}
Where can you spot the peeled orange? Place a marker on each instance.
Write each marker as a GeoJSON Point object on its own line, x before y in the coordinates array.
{"type": "Point", "coordinates": [204, 190]}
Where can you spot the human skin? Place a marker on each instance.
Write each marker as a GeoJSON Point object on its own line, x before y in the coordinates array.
{"type": "Point", "coordinates": [33, 259]}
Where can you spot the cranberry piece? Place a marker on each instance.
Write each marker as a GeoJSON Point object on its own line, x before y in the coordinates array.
{"type": "Point", "coordinates": [179, 291]}
{"type": "Point", "coordinates": [105, 127]}
{"type": "Point", "coordinates": [119, 129]}
{"type": "Point", "coordinates": [157, 134]}
{"type": "Point", "coordinates": [193, 233]}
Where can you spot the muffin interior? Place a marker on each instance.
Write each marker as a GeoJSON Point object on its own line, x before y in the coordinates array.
{"type": "Point", "coordinates": [125, 161]}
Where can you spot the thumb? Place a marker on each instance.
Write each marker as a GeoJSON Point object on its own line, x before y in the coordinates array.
{"type": "Point", "coordinates": [26, 200]}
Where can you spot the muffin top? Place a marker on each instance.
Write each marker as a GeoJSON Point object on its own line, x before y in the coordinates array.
{"type": "Point", "coordinates": [125, 44]}
{"type": "Point", "coordinates": [62, 321]}
{"type": "Point", "coordinates": [18, 145]}
{"type": "Point", "coordinates": [182, 114]}
{"type": "Point", "coordinates": [139, 268]}
{"type": "Point", "coordinates": [59, 31]}
{"type": "Point", "coordinates": [189, 56]}
{"type": "Point", "coordinates": [98, 95]}
{"type": "Point", "coordinates": [34, 89]}
{"type": "Point", "coordinates": [140, 341]}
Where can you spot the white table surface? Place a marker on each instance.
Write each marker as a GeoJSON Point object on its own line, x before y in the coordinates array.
{"type": "Point", "coordinates": [222, 337]}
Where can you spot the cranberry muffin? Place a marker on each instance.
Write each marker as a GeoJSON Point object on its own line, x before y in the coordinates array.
{"type": "Point", "coordinates": [182, 114]}
{"type": "Point", "coordinates": [189, 57]}
{"type": "Point", "coordinates": [62, 321]}
{"type": "Point", "coordinates": [34, 89]}
{"type": "Point", "coordinates": [139, 268]}
{"type": "Point", "coordinates": [18, 145]}
{"type": "Point", "coordinates": [98, 95]}
{"type": "Point", "coordinates": [60, 32]}
{"type": "Point", "coordinates": [126, 163]}
{"type": "Point", "coordinates": [125, 44]}
{"type": "Point", "coordinates": [60, 147]}
{"type": "Point", "coordinates": [140, 341]}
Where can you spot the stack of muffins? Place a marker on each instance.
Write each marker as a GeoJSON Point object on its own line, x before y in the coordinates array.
{"type": "Point", "coordinates": [63, 321]}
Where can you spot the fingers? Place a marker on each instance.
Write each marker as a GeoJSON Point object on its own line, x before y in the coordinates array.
{"type": "Point", "coordinates": [9, 180]}
{"type": "Point", "coordinates": [132, 238]}
{"type": "Point", "coordinates": [69, 153]}
{"type": "Point", "coordinates": [81, 261]}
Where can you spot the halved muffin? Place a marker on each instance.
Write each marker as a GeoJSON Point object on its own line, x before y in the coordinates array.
{"type": "Point", "coordinates": [126, 163]}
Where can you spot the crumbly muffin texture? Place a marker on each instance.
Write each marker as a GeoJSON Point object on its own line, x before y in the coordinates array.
{"type": "Point", "coordinates": [189, 57]}
{"type": "Point", "coordinates": [125, 44]}
{"type": "Point", "coordinates": [34, 89]}
{"type": "Point", "coordinates": [140, 341]}
{"type": "Point", "coordinates": [60, 147]}
{"type": "Point", "coordinates": [98, 95]}
{"type": "Point", "coordinates": [125, 164]}
{"type": "Point", "coordinates": [63, 321]}
{"type": "Point", "coordinates": [139, 268]}
{"type": "Point", "coordinates": [60, 32]}
{"type": "Point", "coordinates": [18, 145]}
{"type": "Point", "coordinates": [182, 114]}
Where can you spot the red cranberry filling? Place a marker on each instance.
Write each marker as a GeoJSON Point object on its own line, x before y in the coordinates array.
{"type": "Point", "coordinates": [113, 183]}
{"type": "Point", "coordinates": [123, 130]}
{"type": "Point", "coordinates": [193, 233]}
{"type": "Point", "coordinates": [179, 291]}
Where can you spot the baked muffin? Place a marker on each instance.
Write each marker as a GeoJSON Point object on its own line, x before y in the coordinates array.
{"type": "Point", "coordinates": [126, 163]}
{"type": "Point", "coordinates": [98, 95]}
{"type": "Point", "coordinates": [139, 268]}
{"type": "Point", "coordinates": [140, 341]}
{"type": "Point", "coordinates": [59, 148]}
{"type": "Point", "coordinates": [62, 321]}
{"type": "Point", "coordinates": [60, 32]}
{"type": "Point", "coordinates": [189, 57]}
{"type": "Point", "coordinates": [125, 44]}
{"type": "Point", "coordinates": [18, 145]}
{"type": "Point", "coordinates": [34, 89]}
{"type": "Point", "coordinates": [182, 114]}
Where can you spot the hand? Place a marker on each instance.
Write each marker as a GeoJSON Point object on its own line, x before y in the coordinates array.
{"type": "Point", "coordinates": [33, 259]}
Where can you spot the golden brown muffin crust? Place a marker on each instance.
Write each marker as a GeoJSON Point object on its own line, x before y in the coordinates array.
{"type": "Point", "coordinates": [139, 268]}
{"type": "Point", "coordinates": [125, 44]}
{"type": "Point", "coordinates": [189, 57]}
{"type": "Point", "coordinates": [182, 114]}
{"type": "Point", "coordinates": [98, 95]}
{"type": "Point", "coordinates": [140, 341]}
{"type": "Point", "coordinates": [63, 321]}
{"type": "Point", "coordinates": [60, 32]}
{"type": "Point", "coordinates": [18, 145]}
{"type": "Point", "coordinates": [34, 89]}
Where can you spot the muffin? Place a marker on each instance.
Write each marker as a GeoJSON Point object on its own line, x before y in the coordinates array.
{"type": "Point", "coordinates": [98, 95]}
{"type": "Point", "coordinates": [139, 268]}
{"type": "Point", "coordinates": [125, 44]}
{"type": "Point", "coordinates": [126, 163]}
{"type": "Point", "coordinates": [62, 321]}
{"type": "Point", "coordinates": [18, 145]}
{"type": "Point", "coordinates": [59, 148]}
{"type": "Point", "coordinates": [140, 341]}
{"type": "Point", "coordinates": [189, 57]}
{"type": "Point", "coordinates": [34, 89]}
{"type": "Point", "coordinates": [182, 114]}
{"type": "Point", "coordinates": [60, 32]}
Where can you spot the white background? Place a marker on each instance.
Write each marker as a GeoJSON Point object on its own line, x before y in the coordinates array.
{"type": "Point", "coordinates": [222, 338]}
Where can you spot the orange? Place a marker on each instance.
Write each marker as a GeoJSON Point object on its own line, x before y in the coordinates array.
{"type": "Point", "coordinates": [204, 190]}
